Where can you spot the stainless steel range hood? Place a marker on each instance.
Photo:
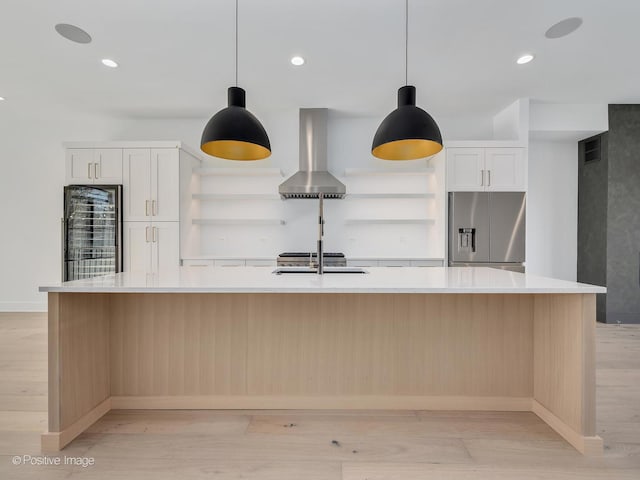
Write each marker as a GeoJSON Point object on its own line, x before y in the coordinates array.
{"type": "Point", "coordinates": [313, 178]}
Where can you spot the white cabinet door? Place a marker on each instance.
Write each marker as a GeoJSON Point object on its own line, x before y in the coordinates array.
{"type": "Point", "coordinates": [107, 166]}
{"type": "Point", "coordinates": [137, 184]}
{"type": "Point", "coordinates": [166, 246]}
{"type": "Point", "coordinates": [207, 264]}
{"type": "Point", "coordinates": [79, 166]}
{"type": "Point", "coordinates": [258, 262]}
{"type": "Point", "coordinates": [505, 169]}
{"type": "Point", "coordinates": [230, 262]}
{"type": "Point", "coordinates": [165, 185]}
{"type": "Point", "coordinates": [465, 169]}
{"type": "Point", "coordinates": [394, 263]}
{"type": "Point", "coordinates": [427, 263]}
{"type": "Point", "coordinates": [137, 246]}
{"type": "Point", "coordinates": [362, 263]}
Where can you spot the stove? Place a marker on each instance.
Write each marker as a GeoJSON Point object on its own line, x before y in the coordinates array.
{"type": "Point", "coordinates": [304, 259]}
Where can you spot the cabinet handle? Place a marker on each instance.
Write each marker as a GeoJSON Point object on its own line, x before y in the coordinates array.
{"type": "Point", "coordinates": [146, 208]}
{"type": "Point", "coordinates": [155, 234]}
{"type": "Point", "coordinates": [96, 171]}
{"type": "Point", "coordinates": [89, 170]}
{"type": "Point", "coordinates": [482, 178]}
{"type": "Point", "coordinates": [146, 234]}
{"type": "Point", "coordinates": [489, 176]}
{"type": "Point", "coordinates": [154, 208]}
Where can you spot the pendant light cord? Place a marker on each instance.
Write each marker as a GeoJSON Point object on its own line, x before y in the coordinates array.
{"type": "Point", "coordinates": [236, 43]}
{"type": "Point", "coordinates": [406, 42]}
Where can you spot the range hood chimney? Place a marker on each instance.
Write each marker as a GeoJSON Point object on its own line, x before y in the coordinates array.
{"type": "Point", "coordinates": [313, 178]}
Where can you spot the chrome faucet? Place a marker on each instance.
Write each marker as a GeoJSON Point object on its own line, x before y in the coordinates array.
{"type": "Point", "coordinates": [320, 259]}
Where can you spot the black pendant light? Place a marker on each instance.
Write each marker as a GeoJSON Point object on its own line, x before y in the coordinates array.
{"type": "Point", "coordinates": [234, 133]}
{"type": "Point", "coordinates": [408, 132]}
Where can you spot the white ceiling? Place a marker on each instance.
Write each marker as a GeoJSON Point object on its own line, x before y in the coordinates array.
{"type": "Point", "coordinates": [177, 56]}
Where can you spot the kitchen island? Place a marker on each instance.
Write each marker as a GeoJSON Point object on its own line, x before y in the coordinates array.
{"type": "Point", "coordinates": [393, 338]}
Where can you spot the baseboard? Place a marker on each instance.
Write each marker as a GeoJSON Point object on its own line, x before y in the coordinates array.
{"type": "Point", "coordinates": [614, 318]}
{"type": "Point", "coordinates": [23, 307]}
{"type": "Point", "coordinates": [588, 446]}
{"type": "Point", "coordinates": [355, 402]}
{"type": "Point", "coordinates": [56, 441]}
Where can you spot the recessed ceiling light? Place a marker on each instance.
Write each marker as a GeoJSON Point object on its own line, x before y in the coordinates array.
{"type": "Point", "coordinates": [297, 61]}
{"type": "Point", "coordinates": [73, 33]}
{"type": "Point", "coordinates": [107, 62]}
{"type": "Point", "coordinates": [1, 99]}
{"type": "Point", "coordinates": [563, 28]}
{"type": "Point", "coordinates": [524, 59]}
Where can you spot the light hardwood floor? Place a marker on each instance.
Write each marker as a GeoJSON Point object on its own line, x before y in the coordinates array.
{"type": "Point", "coordinates": [367, 445]}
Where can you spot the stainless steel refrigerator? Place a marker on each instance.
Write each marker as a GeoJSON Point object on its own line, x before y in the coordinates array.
{"type": "Point", "coordinates": [92, 231]}
{"type": "Point", "coordinates": [487, 229]}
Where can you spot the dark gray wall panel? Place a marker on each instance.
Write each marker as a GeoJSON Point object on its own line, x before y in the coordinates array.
{"type": "Point", "coordinates": [623, 219]}
{"type": "Point", "coordinates": [592, 219]}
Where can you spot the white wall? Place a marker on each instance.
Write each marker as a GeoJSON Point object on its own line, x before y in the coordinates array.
{"type": "Point", "coordinates": [31, 181]}
{"type": "Point", "coordinates": [552, 209]}
{"type": "Point", "coordinates": [568, 119]}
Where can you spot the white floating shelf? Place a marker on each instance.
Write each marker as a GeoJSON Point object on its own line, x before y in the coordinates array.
{"type": "Point", "coordinates": [380, 221]}
{"type": "Point", "coordinates": [390, 195]}
{"type": "Point", "coordinates": [239, 172]}
{"type": "Point", "coordinates": [352, 172]}
{"type": "Point", "coordinates": [238, 221]}
{"type": "Point", "coordinates": [235, 196]}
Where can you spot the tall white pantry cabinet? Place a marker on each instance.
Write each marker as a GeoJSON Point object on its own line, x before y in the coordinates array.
{"type": "Point", "coordinates": [155, 176]}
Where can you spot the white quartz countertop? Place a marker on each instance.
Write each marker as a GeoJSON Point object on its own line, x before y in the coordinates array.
{"type": "Point", "coordinates": [377, 280]}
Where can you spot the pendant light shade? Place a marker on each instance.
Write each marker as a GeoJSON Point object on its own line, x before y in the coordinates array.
{"type": "Point", "coordinates": [408, 132]}
{"type": "Point", "coordinates": [234, 133]}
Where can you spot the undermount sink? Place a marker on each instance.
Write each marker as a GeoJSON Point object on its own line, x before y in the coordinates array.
{"type": "Point", "coordinates": [327, 270]}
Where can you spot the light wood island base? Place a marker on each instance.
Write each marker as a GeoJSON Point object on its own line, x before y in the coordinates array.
{"type": "Point", "coordinates": [517, 352]}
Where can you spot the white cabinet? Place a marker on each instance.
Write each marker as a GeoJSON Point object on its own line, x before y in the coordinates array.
{"type": "Point", "coordinates": [151, 190]}
{"type": "Point", "coordinates": [198, 263]}
{"type": "Point", "coordinates": [230, 262]}
{"type": "Point", "coordinates": [165, 246]}
{"type": "Point", "coordinates": [394, 263]}
{"type": "Point", "coordinates": [151, 247]}
{"type": "Point", "coordinates": [165, 184]}
{"type": "Point", "coordinates": [79, 165]}
{"type": "Point", "coordinates": [505, 169]}
{"type": "Point", "coordinates": [486, 169]}
{"type": "Point", "coordinates": [260, 262]}
{"type": "Point", "coordinates": [465, 168]}
{"type": "Point", "coordinates": [389, 262]}
{"type": "Point", "coordinates": [137, 184]}
{"type": "Point", "coordinates": [151, 180]}
{"type": "Point", "coordinates": [94, 166]}
{"type": "Point", "coordinates": [137, 247]}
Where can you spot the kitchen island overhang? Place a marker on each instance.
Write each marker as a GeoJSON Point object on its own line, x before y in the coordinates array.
{"type": "Point", "coordinates": [396, 338]}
